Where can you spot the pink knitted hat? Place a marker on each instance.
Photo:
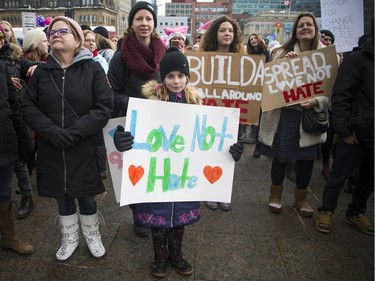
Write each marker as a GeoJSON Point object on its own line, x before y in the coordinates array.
{"type": "Point", "coordinates": [77, 28]}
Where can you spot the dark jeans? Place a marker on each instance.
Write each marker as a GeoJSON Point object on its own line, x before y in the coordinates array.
{"type": "Point", "coordinates": [328, 145]}
{"type": "Point", "coordinates": [67, 206]}
{"type": "Point", "coordinates": [6, 176]}
{"type": "Point", "coordinates": [31, 161]}
{"type": "Point", "coordinates": [348, 157]}
{"type": "Point", "coordinates": [23, 177]}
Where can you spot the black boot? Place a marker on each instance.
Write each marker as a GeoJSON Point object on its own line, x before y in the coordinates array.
{"type": "Point", "coordinates": [176, 257]}
{"type": "Point", "coordinates": [160, 240]}
{"type": "Point", "coordinates": [27, 206]}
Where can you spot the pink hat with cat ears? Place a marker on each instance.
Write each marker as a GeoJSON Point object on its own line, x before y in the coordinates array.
{"type": "Point", "coordinates": [202, 29]}
{"type": "Point", "coordinates": [176, 32]}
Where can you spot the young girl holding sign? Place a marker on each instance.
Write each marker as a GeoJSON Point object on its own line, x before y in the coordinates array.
{"type": "Point", "coordinates": [168, 231]}
{"type": "Point", "coordinates": [225, 36]}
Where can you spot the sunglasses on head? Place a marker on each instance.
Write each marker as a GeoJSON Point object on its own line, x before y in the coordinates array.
{"type": "Point", "coordinates": [61, 32]}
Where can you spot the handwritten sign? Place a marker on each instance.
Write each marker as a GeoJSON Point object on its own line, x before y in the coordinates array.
{"type": "Point", "coordinates": [291, 81]}
{"type": "Point", "coordinates": [229, 80]}
{"type": "Point", "coordinates": [344, 19]}
{"type": "Point", "coordinates": [113, 155]}
{"type": "Point", "coordinates": [180, 152]}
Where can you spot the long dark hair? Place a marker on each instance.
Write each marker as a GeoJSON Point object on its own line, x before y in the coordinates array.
{"type": "Point", "coordinates": [261, 48]}
{"type": "Point", "coordinates": [289, 45]}
{"type": "Point", "coordinates": [210, 42]}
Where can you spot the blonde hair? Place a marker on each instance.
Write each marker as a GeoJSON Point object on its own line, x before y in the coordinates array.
{"type": "Point", "coordinates": [12, 38]}
{"type": "Point", "coordinates": [154, 90]}
{"type": "Point", "coordinates": [35, 55]}
{"type": "Point", "coordinates": [103, 43]}
{"type": "Point", "coordinates": [190, 97]}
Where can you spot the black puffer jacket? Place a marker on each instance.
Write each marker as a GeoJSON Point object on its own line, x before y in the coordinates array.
{"type": "Point", "coordinates": [353, 96]}
{"type": "Point", "coordinates": [88, 106]}
{"type": "Point", "coordinates": [11, 56]}
{"type": "Point", "coordinates": [14, 137]}
{"type": "Point", "coordinates": [125, 84]}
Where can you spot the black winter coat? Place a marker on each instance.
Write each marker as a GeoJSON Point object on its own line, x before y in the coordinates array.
{"type": "Point", "coordinates": [16, 67]}
{"type": "Point", "coordinates": [125, 84]}
{"type": "Point", "coordinates": [353, 96]}
{"type": "Point", "coordinates": [87, 107]}
{"type": "Point", "coordinates": [14, 137]}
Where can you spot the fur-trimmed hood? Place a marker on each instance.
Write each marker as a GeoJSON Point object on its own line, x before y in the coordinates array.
{"type": "Point", "coordinates": [11, 51]}
{"type": "Point", "coordinates": [153, 90]}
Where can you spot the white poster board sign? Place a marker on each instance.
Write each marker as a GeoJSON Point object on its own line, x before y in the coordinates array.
{"type": "Point", "coordinates": [345, 20]}
{"type": "Point", "coordinates": [114, 157]}
{"type": "Point", "coordinates": [28, 21]}
{"type": "Point", "coordinates": [180, 152]}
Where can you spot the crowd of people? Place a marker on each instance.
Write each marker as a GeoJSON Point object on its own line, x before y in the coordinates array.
{"type": "Point", "coordinates": [63, 85]}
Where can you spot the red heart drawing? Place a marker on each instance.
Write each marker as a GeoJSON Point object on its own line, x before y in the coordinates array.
{"type": "Point", "coordinates": [212, 174]}
{"type": "Point", "coordinates": [135, 173]}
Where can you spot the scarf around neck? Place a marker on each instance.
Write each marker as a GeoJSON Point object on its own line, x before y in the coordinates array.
{"type": "Point", "coordinates": [144, 62]}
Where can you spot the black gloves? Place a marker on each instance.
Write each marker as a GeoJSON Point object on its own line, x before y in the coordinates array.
{"type": "Point", "coordinates": [236, 150]}
{"type": "Point", "coordinates": [123, 140]}
{"type": "Point", "coordinates": [61, 138]}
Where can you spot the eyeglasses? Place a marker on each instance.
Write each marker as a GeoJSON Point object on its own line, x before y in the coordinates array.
{"type": "Point", "coordinates": [60, 32]}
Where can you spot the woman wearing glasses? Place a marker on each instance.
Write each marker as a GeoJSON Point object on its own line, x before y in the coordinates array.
{"type": "Point", "coordinates": [68, 101]}
{"type": "Point", "coordinates": [90, 44]}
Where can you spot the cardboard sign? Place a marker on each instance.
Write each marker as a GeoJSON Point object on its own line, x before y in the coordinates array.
{"type": "Point", "coordinates": [180, 152]}
{"type": "Point", "coordinates": [291, 81]}
{"type": "Point", "coordinates": [229, 80]}
{"type": "Point", "coordinates": [345, 20]}
{"type": "Point", "coordinates": [113, 155]}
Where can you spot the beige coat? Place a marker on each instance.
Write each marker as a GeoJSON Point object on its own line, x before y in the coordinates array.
{"type": "Point", "coordinates": [150, 90]}
{"type": "Point", "coordinates": [270, 119]}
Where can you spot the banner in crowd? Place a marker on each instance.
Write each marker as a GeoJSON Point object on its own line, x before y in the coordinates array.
{"type": "Point", "coordinates": [180, 152]}
{"type": "Point", "coordinates": [113, 155]}
{"type": "Point", "coordinates": [291, 81]}
{"type": "Point", "coordinates": [345, 20]}
{"type": "Point", "coordinates": [229, 80]}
